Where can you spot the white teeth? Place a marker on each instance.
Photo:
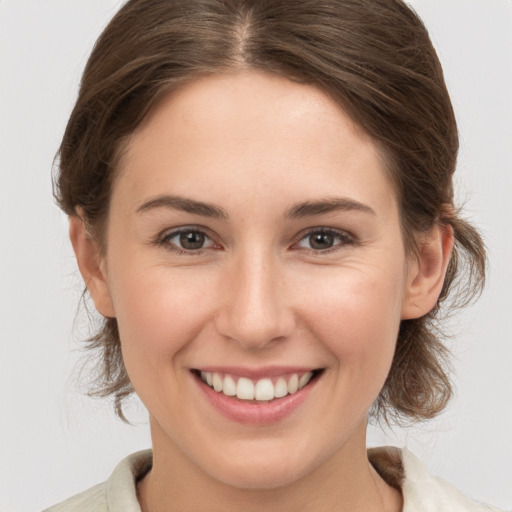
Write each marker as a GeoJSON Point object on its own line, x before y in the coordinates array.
{"type": "Point", "coordinates": [305, 379]}
{"type": "Point", "coordinates": [229, 387]}
{"type": "Point", "coordinates": [263, 389]}
{"type": "Point", "coordinates": [217, 382]}
{"type": "Point", "coordinates": [245, 389]}
{"type": "Point", "coordinates": [281, 388]}
{"type": "Point", "coordinates": [293, 384]}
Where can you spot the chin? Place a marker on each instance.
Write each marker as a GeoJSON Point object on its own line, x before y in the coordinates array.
{"type": "Point", "coordinates": [265, 468]}
{"type": "Point", "coordinates": [257, 477]}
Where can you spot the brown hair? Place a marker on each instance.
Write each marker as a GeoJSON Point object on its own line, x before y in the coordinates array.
{"type": "Point", "coordinates": [374, 57]}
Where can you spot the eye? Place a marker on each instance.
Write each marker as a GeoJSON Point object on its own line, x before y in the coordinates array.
{"type": "Point", "coordinates": [324, 240]}
{"type": "Point", "coordinates": [187, 240]}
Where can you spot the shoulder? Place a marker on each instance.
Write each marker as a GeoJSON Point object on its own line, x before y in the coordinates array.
{"type": "Point", "coordinates": [117, 494]}
{"type": "Point", "coordinates": [94, 498]}
{"type": "Point", "coordinates": [422, 492]}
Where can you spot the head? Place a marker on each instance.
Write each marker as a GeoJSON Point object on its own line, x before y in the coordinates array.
{"type": "Point", "coordinates": [371, 60]}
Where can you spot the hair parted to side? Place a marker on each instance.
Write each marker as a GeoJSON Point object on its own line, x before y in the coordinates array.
{"type": "Point", "coordinates": [373, 57]}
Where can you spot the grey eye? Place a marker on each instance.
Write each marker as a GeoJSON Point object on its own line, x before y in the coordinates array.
{"type": "Point", "coordinates": [192, 240]}
{"type": "Point", "coordinates": [189, 240]}
{"type": "Point", "coordinates": [323, 240]}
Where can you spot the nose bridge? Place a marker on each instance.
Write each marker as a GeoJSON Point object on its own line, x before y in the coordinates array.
{"type": "Point", "coordinates": [255, 311]}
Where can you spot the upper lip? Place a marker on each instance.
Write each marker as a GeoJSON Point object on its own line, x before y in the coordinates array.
{"type": "Point", "coordinates": [256, 373]}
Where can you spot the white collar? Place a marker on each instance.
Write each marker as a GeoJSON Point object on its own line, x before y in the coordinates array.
{"type": "Point", "coordinates": [422, 492]}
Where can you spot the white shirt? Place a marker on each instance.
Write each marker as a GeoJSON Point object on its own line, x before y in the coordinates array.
{"type": "Point", "coordinates": [421, 491]}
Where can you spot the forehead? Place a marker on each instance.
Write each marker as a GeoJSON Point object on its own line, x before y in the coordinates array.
{"type": "Point", "coordinates": [243, 102]}
{"type": "Point", "coordinates": [250, 129]}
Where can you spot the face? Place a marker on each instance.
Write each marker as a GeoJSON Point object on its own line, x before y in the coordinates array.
{"type": "Point", "coordinates": [254, 240]}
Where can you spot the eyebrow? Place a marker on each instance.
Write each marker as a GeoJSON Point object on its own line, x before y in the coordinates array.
{"type": "Point", "coordinates": [297, 211]}
{"type": "Point", "coordinates": [322, 206]}
{"type": "Point", "coordinates": [184, 204]}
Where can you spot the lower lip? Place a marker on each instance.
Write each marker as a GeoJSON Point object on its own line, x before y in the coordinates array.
{"type": "Point", "coordinates": [255, 413]}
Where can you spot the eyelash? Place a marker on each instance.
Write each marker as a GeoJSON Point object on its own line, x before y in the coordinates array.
{"type": "Point", "coordinates": [344, 239]}
{"type": "Point", "coordinates": [164, 241]}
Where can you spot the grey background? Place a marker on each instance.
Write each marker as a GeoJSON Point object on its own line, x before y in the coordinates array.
{"type": "Point", "coordinates": [53, 441]}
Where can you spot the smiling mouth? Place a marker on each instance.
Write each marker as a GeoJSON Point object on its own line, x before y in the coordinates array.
{"type": "Point", "coordinates": [257, 391]}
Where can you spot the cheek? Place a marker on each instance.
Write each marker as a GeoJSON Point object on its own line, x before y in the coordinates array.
{"type": "Point", "coordinates": [159, 312]}
{"type": "Point", "coordinates": [357, 315]}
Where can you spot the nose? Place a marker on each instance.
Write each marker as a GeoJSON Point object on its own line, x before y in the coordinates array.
{"type": "Point", "coordinates": [254, 310]}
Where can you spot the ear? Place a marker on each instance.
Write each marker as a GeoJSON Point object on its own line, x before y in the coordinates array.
{"type": "Point", "coordinates": [91, 265]}
{"type": "Point", "coordinates": [427, 270]}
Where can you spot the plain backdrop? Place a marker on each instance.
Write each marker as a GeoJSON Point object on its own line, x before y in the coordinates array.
{"type": "Point", "coordinates": [54, 441]}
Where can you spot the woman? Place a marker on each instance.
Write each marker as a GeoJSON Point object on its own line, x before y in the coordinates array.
{"type": "Point", "coordinates": [261, 205]}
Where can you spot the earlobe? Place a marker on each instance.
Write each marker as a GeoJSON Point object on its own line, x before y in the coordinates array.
{"type": "Point", "coordinates": [427, 271]}
{"type": "Point", "coordinates": [91, 266]}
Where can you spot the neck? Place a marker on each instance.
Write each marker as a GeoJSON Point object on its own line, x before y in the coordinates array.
{"type": "Point", "coordinates": [344, 482]}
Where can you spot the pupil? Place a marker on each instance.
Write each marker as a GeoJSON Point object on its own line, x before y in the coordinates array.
{"type": "Point", "coordinates": [321, 240]}
{"type": "Point", "coordinates": [192, 240]}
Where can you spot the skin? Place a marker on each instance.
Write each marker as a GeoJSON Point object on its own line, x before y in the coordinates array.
{"type": "Point", "coordinates": [258, 293]}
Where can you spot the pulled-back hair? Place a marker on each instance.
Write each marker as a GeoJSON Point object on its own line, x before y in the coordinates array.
{"type": "Point", "coordinates": [373, 57]}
